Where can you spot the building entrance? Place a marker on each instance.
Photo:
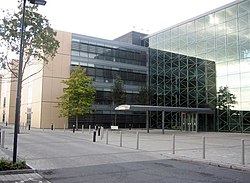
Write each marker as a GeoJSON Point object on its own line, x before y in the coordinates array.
{"type": "Point", "coordinates": [189, 122]}
{"type": "Point", "coordinates": [189, 116]}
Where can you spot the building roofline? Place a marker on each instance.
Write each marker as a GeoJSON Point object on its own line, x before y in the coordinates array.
{"type": "Point", "coordinates": [196, 17]}
{"type": "Point", "coordinates": [113, 42]}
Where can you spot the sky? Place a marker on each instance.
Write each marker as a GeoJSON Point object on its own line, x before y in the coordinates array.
{"type": "Point", "coordinates": [110, 19]}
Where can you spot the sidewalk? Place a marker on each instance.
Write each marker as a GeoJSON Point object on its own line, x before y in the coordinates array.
{"type": "Point", "coordinates": [17, 176]}
{"type": "Point", "coordinates": [221, 149]}
{"type": "Point", "coordinates": [27, 175]}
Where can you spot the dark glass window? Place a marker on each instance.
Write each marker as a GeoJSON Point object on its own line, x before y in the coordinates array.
{"type": "Point", "coordinates": [107, 53]}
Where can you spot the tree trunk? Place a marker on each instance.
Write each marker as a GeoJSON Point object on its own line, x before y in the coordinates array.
{"type": "Point", "coordinates": [115, 118]}
{"type": "Point", "coordinates": [76, 122]}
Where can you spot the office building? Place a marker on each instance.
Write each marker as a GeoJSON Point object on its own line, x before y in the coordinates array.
{"type": "Point", "coordinates": [183, 65]}
{"type": "Point", "coordinates": [186, 58]}
{"type": "Point", "coordinates": [104, 60]}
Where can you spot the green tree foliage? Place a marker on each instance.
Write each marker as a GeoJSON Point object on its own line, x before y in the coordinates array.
{"type": "Point", "coordinates": [78, 96]}
{"type": "Point", "coordinates": [225, 99]}
{"type": "Point", "coordinates": [7, 165]}
{"type": "Point", "coordinates": [143, 96]}
{"type": "Point", "coordinates": [39, 38]}
{"type": "Point", "coordinates": [118, 93]}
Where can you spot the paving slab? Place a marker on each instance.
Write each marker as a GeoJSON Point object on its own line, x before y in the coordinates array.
{"type": "Point", "coordinates": [47, 149]}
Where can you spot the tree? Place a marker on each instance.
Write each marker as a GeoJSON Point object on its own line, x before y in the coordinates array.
{"type": "Point", "coordinates": [143, 96]}
{"type": "Point", "coordinates": [225, 99]}
{"type": "Point", "coordinates": [38, 43]}
{"type": "Point", "coordinates": [118, 93]}
{"type": "Point", "coordinates": [78, 96]}
{"type": "Point", "coordinates": [39, 40]}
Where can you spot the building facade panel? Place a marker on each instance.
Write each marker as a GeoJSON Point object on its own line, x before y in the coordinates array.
{"type": "Point", "coordinates": [104, 60]}
{"type": "Point", "coordinates": [181, 81]}
{"type": "Point", "coordinates": [40, 92]}
{"type": "Point", "coordinates": [8, 93]}
{"type": "Point", "coordinates": [220, 36]}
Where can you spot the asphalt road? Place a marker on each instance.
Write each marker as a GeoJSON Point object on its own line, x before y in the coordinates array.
{"type": "Point", "coordinates": [66, 157]}
{"type": "Point", "coordinates": [158, 171]}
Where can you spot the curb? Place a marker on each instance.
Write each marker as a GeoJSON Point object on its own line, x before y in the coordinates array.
{"type": "Point", "coordinates": [29, 169]}
{"type": "Point", "coordinates": [21, 171]}
{"type": "Point", "coordinates": [209, 162]}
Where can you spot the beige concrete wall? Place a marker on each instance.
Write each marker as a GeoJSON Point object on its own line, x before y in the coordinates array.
{"type": "Point", "coordinates": [40, 91]}
{"type": "Point", "coordinates": [57, 70]}
{"type": "Point", "coordinates": [31, 93]}
{"type": "Point", "coordinates": [8, 91]}
{"type": "Point", "coordinates": [1, 81]}
{"type": "Point", "coordinates": [1, 99]}
{"type": "Point", "coordinates": [12, 101]}
{"type": "Point", "coordinates": [6, 95]}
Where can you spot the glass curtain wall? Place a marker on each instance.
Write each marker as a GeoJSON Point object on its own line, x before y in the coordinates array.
{"type": "Point", "coordinates": [104, 60]}
{"type": "Point", "coordinates": [221, 37]}
{"type": "Point", "coordinates": [181, 81]}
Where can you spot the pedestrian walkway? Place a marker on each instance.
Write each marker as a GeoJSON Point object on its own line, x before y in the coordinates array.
{"type": "Point", "coordinates": [123, 145]}
{"type": "Point", "coordinates": [17, 176]}
{"type": "Point", "coordinates": [231, 150]}
{"type": "Point", "coordinates": [22, 178]}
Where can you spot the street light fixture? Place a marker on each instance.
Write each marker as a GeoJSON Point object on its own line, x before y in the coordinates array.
{"type": "Point", "coordinates": [19, 80]}
{"type": "Point", "coordinates": [39, 2]}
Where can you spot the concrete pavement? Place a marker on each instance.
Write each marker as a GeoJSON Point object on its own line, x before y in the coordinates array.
{"type": "Point", "coordinates": [17, 176]}
{"type": "Point", "coordinates": [58, 149]}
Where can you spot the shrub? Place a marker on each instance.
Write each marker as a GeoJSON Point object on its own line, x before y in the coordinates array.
{"type": "Point", "coordinates": [8, 165]}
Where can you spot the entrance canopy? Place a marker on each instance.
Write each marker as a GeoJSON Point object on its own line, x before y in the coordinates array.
{"type": "Point", "coordinates": [164, 108]}
{"type": "Point", "coordinates": [189, 116]}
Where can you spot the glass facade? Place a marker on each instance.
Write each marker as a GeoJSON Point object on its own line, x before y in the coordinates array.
{"type": "Point", "coordinates": [108, 52]}
{"type": "Point", "coordinates": [181, 81]}
{"type": "Point", "coordinates": [220, 40]}
{"type": "Point", "coordinates": [104, 60]}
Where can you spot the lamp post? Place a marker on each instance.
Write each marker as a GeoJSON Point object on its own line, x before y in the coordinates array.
{"type": "Point", "coordinates": [19, 80]}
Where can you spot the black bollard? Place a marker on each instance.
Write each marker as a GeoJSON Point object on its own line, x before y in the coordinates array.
{"type": "Point", "coordinates": [99, 130]}
{"type": "Point", "coordinates": [6, 123]}
{"type": "Point", "coordinates": [94, 136]}
{"type": "Point", "coordinates": [29, 127]}
{"type": "Point", "coordinates": [51, 126]}
{"type": "Point", "coordinates": [74, 128]}
{"type": "Point", "coordinates": [129, 126]}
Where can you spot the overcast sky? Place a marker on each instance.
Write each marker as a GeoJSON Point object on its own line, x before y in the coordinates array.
{"type": "Point", "coordinates": [112, 18]}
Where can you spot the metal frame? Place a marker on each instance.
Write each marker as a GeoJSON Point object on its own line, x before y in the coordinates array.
{"type": "Point", "coordinates": [233, 121]}
{"type": "Point", "coordinates": [180, 81]}
{"type": "Point", "coordinates": [164, 109]}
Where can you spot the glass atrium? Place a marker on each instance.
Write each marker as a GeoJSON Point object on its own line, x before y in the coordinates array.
{"type": "Point", "coordinates": [222, 37]}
